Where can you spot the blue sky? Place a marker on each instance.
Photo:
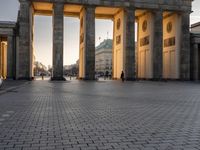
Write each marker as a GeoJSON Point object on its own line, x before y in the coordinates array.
{"type": "Point", "coordinates": [43, 31]}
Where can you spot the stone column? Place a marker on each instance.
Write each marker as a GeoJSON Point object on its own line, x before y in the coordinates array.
{"type": "Point", "coordinates": [157, 55]}
{"type": "Point", "coordinates": [195, 62]}
{"type": "Point", "coordinates": [10, 57]}
{"type": "Point", "coordinates": [129, 52]}
{"type": "Point", "coordinates": [89, 43]}
{"type": "Point", "coordinates": [0, 59]}
{"type": "Point", "coordinates": [24, 67]}
{"type": "Point", "coordinates": [58, 28]}
{"type": "Point", "coordinates": [82, 44]}
{"type": "Point", "coordinates": [185, 47]}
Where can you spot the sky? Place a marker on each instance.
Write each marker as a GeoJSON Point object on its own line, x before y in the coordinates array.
{"type": "Point", "coordinates": [43, 31]}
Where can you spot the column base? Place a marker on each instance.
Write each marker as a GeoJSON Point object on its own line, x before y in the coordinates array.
{"type": "Point", "coordinates": [10, 78]}
{"type": "Point", "coordinates": [114, 78]}
{"type": "Point", "coordinates": [26, 78]}
{"type": "Point", "coordinates": [86, 79]}
{"type": "Point", "coordinates": [151, 79]}
{"type": "Point", "coordinates": [158, 79]}
{"type": "Point", "coordinates": [130, 79]}
{"type": "Point", "coordinates": [58, 79]}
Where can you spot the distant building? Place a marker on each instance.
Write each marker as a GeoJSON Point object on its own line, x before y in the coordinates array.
{"type": "Point", "coordinates": [103, 57]}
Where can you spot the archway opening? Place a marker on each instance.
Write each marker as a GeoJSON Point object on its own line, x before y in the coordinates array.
{"type": "Point", "coordinates": [105, 42]}
{"type": "Point", "coordinates": [104, 49]}
{"type": "Point", "coordinates": [42, 54]}
{"type": "Point", "coordinates": [71, 47]}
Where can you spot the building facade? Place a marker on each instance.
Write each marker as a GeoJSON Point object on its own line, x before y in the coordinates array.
{"type": "Point", "coordinates": [103, 57]}
{"type": "Point", "coordinates": [163, 37]}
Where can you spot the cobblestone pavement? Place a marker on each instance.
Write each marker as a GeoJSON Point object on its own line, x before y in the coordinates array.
{"type": "Point", "coordinates": [82, 115]}
{"type": "Point", "coordinates": [9, 85]}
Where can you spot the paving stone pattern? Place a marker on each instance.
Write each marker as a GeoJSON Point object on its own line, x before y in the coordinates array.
{"type": "Point", "coordinates": [10, 86]}
{"type": "Point", "coordinates": [110, 115]}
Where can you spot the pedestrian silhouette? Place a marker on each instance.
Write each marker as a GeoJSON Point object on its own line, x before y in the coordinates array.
{"type": "Point", "coordinates": [42, 75]}
{"type": "Point", "coordinates": [122, 76]}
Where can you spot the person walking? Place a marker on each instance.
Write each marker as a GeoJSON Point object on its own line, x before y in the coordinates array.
{"type": "Point", "coordinates": [122, 76]}
{"type": "Point", "coordinates": [42, 75]}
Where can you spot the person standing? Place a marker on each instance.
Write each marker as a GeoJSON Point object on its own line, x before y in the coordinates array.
{"type": "Point", "coordinates": [122, 76]}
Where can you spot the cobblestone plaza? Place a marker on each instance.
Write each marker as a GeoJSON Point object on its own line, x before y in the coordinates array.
{"type": "Point", "coordinates": [80, 115]}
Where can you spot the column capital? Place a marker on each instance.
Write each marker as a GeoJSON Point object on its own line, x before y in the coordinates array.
{"type": "Point", "coordinates": [58, 3]}
{"type": "Point", "coordinates": [185, 12]}
{"type": "Point", "coordinates": [89, 8]}
{"type": "Point", "coordinates": [129, 9]}
{"type": "Point", "coordinates": [157, 11]}
{"type": "Point", "coordinates": [58, 6]}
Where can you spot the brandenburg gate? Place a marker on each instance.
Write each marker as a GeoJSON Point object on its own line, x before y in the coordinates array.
{"type": "Point", "coordinates": [163, 37]}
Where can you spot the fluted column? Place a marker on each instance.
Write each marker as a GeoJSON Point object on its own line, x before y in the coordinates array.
{"type": "Point", "coordinates": [87, 44]}
{"type": "Point", "coordinates": [195, 62]}
{"type": "Point", "coordinates": [0, 58]}
{"type": "Point", "coordinates": [25, 52]}
{"type": "Point", "coordinates": [129, 52]}
{"type": "Point", "coordinates": [58, 28]}
{"type": "Point", "coordinates": [90, 43]}
{"type": "Point", "coordinates": [157, 56]}
{"type": "Point", "coordinates": [185, 47]}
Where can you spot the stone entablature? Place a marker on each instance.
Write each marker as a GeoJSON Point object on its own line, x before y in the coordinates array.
{"type": "Point", "coordinates": [7, 28]}
{"type": "Point", "coordinates": [169, 5]}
